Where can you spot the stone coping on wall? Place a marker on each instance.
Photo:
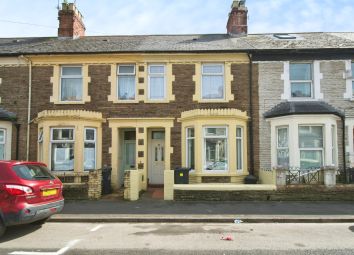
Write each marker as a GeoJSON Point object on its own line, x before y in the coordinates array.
{"type": "Point", "coordinates": [72, 114]}
{"type": "Point", "coordinates": [225, 187]}
{"type": "Point", "coordinates": [217, 113]}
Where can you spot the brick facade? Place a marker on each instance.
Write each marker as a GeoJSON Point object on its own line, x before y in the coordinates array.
{"type": "Point", "coordinates": [16, 80]}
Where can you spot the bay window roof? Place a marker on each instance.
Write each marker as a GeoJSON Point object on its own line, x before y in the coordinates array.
{"type": "Point", "coordinates": [302, 108]}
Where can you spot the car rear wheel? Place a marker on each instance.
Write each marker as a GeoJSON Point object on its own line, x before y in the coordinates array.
{"type": "Point", "coordinates": [40, 222]}
{"type": "Point", "coordinates": [2, 228]}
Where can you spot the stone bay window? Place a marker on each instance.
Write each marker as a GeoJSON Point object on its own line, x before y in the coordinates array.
{"type": "Point", "coordinates": [214, 143]}
{"type": "Point", "coordinates": [70, 140]}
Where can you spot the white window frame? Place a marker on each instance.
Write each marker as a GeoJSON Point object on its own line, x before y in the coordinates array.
{"type": "Point", "coordinates": [4, 142]}
{"type": "Point", "coordinates": [163, 75]}
{"type": "Point", "coordinates": [52, 141]}
{"type": "Point", "coordinates": [126, 74]}
{"type": "Point", "coordinates": [227, 147]}
{"type": "Point", "coordinates": [334, 143]}
{"type": "Point", "coordinates": [71, 77]}
{"type": "Point", "coordinates": [213, 74]}
{"type": "Point", "coordinates": [94, 141]}
{"type": "Point", "coordinates": [240, 138]}
{"type": "Point", "coordinates": [277, 142]}
{"type": "Point", "coordinates": [188, 139]}
{"type": "Point", "coordinates": [349, 79]}
{"type": "Point", "coordinates": [302, 81]}
{"type": "Point", "coordinates": [313, 149]}
{"type": "Point", "coordinates": [317, 76]}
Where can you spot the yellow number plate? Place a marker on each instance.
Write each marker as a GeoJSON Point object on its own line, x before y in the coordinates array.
{"type": "Point", "coordinates": [49, 192]}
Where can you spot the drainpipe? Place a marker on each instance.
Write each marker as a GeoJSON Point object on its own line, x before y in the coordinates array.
{"type": "Point", "coordinates": [29, 104]}
{"type": "Point", "coordinates": [343, 148]}
{"type": "Point", "coordinates": [251, 178]}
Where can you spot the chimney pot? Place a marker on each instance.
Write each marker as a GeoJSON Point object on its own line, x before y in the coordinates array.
{"type": "Point", "coordinates": [237, 22]}
{"type": "Point", "coordinates": [70, 21]}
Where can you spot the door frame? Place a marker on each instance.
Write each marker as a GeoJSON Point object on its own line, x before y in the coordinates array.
{"type": "Point", "coordinates": [149, 156]}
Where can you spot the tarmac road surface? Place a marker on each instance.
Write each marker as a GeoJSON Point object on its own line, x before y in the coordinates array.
{"type": "Point", "coordinates": [188, 238]}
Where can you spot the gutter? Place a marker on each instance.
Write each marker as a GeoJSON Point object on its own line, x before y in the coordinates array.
{"type": "Point", "coordinates": [250, 123]}
{"type": "Point", "coordinates": [29, 104]}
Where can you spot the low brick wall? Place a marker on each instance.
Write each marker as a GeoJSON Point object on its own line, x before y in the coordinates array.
{"type": "Point", "coordinates": [287, 193]}
{"type": "Point", "coordinates": [81, 185]}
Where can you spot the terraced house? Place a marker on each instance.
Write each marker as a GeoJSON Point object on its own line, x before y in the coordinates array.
{"type": "Point", "coordinates": [147, 104]}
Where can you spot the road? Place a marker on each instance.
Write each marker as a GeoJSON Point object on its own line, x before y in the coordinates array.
{"type": "Point", "coordinates": [163, 238]}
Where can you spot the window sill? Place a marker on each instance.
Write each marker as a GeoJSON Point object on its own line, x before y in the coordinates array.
{"type": "Point", "coordinates": [213, 101]}
{"type": "Point", "coordinates": [165, 101]}
{"type": "Point", "coordinates": [301, 99]}
{"type": "Point", "coordinates": [70, 102]}
{"type": "Point", "coordinates": [126, 101]}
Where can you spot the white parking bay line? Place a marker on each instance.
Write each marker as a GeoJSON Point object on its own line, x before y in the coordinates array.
{"type": "Point", "coordinates": [32, 253]}
{"type": "Point", "coordinates": [60, 252]}
{"type": "Point", "coordinates": [96, 228]}
{"type": "Point", "coordinates": [66, 248]}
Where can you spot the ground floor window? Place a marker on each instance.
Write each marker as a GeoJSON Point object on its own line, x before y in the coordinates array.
{"type": "Point", "coordinates": [62, 149]}
{"type": "Point", "coordinates": [304, 142]}
{"type": "Point", "coordinates": [283, 146]}
{"type": "Point", "coordinates": [311, 146]}
{"type": "Point", "coordinates": [239, 148]}
{"type": "Point", "coordinates": [190, 147]}
{"type": "Point", "coordinates": [2, 144]}
{"type": "Point", "coordinates": [215, 149]}
{"type": "Point", "coordinates": [90, 149]}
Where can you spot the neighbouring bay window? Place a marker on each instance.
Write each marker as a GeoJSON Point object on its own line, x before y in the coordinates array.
{"type": "Point", "coordinates": [126, 82]}
{"type": "Point", "coordinates": [215, 149]}
{"type": "Point", "coordinates": [283, 146]}
{"type": "Point", "coordinates": [40, 145]}
{"type": "Point", "coordinates": [2, 144]}
{"type": "Point", "coordinates": [301, 80]}
{"type": "Point", "coordinates": [304, 142]}
{"type": "Point", "coordinates": [190, 148]}
{"type": "Point", "coordinates": [213, 81]}
{"type": "Point", "coordinates": [90, 149]}
{"type": "Point", "coordinates": [311, 146]}
{"type": "Point", "coordinates": [71, 85]}
{"type": "Point", "coordinates": [62, 149]}
{"type": "Point", "coordinates": [239, 148]}
{"type": "Point", "coordinates": [157, 82]}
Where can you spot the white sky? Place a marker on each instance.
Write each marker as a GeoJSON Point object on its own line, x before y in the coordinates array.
{"type": "Point", "coordinates": [117, 17]}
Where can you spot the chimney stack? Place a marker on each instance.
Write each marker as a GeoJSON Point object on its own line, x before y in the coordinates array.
{"type": "Point", "coordinates": [237, 23]}
{"type": "Point", "coordinates": [70, 21]}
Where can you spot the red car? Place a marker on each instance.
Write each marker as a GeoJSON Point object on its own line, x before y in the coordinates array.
{"type": "Point", "coordinates": [29, 193]}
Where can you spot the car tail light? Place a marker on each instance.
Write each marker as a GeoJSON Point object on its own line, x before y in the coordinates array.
{"type": "Point", "coordinates": [17, 190]}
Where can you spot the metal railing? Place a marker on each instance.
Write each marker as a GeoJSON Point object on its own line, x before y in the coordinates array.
{"type": "Point", "coordinates": [303, 176]}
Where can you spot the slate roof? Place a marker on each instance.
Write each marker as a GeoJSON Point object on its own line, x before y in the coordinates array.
{"type": "Point", "coordinates": [173, 43]}
{"type": "Point", "coordinates": [6, 115]}
{"type": "Point", "coordinates": [302, 108]}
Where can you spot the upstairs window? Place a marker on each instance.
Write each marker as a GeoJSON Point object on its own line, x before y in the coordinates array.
{"type": "Point", "coordinates": [301, 80]}
{"type": "Point", "coordinates": [126, 82]}
{"type": "Point", "coordinates": [352, 79]}
{"type": "Point", "coordinates": [213, 85]}
{"type": "Point", "coordinates": [71, 85]}
{"type": "Point", "coordinates": [157, 82]}
{"type": "Point", "coordinates": [62, 148]}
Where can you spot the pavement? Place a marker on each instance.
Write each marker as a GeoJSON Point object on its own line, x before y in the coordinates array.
{"type": "Point", "coordinates": [152, 209]}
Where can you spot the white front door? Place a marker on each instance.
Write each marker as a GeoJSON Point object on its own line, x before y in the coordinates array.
{"type": "Point", "coordinates": [156, 157]}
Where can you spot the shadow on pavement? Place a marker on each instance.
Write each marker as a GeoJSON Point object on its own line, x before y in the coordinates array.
{"type": "Point", "coordinates": [15, 232]}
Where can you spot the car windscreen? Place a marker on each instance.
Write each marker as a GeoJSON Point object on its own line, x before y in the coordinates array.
{"type": "Point", "coordinates": [33, 172]}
